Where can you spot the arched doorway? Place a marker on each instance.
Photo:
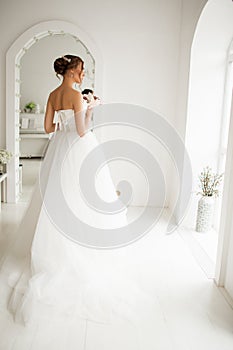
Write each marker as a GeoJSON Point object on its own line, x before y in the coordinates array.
{"type": "Point", "coordinates": [13, 56]}
{"type": "Point", "coordinates": [208, 115]}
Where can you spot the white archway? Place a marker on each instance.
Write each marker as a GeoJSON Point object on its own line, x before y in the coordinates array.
{"type": "Point", "coordinates": [205, 115]}
{"type": "Point", "coordinates": [13, 56]}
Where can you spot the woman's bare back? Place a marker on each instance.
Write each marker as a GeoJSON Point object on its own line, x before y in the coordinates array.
{"type": "Point", "coordinates": [63, 98]}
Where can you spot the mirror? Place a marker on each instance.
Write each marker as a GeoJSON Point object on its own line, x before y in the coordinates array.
{"type": "Point", "coordinates": [53, 30]}
{"type": "Point", "coordinates": [37, 80]}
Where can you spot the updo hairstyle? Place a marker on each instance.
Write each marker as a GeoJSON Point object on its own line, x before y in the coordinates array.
{"type": "Point", "coordinates": [63, 63]}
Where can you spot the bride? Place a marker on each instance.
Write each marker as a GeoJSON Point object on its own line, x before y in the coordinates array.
{"type": "Point", "coordinates": [49, 273]}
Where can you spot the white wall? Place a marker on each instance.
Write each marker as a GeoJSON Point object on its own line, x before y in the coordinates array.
{"type": "Point", "coordinates": [190, 13]}
{"type": "Point", "coordinates": [228, 283]}
{"type": "Point", "coordinates": [142, 44]}
{"type": "Point", "coordinates": [210, 46]}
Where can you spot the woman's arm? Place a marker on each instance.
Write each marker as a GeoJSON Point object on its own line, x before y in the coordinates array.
{"type": "Point", "coordinates": [49, 126]}
{"type": "Point", "coordinates": [89, 112]}
{"type": "Point", "coordinates": [88, 116]}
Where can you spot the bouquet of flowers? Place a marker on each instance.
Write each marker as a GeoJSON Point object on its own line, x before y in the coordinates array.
{"type": "Point", "coordinates": [209, 182]}
{"type": "Point", "coordinates": [91, 99]}
{"type": "Point", "coordinates": [5, 156]}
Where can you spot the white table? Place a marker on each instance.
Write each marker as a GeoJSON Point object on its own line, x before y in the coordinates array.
{"type": "Point", "coordinates": [3, 180]}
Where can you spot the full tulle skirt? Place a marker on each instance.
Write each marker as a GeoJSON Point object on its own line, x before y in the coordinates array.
{"type": "Point", "coordinates": [47, 276]}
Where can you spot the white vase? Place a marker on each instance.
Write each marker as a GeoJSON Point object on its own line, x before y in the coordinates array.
{"type": "Point", "coordinates": [205, 213]}
{"type": "Point", "coordinates": [37, 108]}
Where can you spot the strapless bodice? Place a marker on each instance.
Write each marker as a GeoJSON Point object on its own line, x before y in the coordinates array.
{"type": "Point", "coordinates": [64, 118]}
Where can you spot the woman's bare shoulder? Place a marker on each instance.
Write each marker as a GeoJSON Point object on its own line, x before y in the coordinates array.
{"type": "Point", "coordinates": [76, 92]}
{"type": "Point", "coordinates": [68, 95]}
{"type": "Point", "coordinates": [53, 93]}
{"type": "Point", "coordinates": [76, 95]}
{"type": "Point", "coordinates": [68, 90]}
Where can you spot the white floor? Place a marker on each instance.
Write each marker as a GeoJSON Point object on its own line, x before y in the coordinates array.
{"type": "Point", "coordinates": [188, 310]}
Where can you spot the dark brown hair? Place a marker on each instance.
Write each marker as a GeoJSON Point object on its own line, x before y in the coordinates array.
{"type": "Point", "coordinates": [62, 64]}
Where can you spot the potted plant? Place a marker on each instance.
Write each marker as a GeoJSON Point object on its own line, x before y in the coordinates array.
{"type": "Point", "coordinates": [209, 183]}
{"type": "Point", "coordinates": [29, 107]}
{"type": "Point", "coordinates": [5, 156]}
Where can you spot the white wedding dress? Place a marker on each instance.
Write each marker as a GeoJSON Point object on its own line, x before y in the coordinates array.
{"type": "Point", "coordinates": [46, 276]}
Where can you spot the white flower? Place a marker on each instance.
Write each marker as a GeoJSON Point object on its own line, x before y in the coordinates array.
{"type": "Point", "coordinates": [209, 182]}
{"type": "Point", "coordinates": [5, 156]}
